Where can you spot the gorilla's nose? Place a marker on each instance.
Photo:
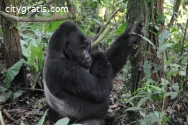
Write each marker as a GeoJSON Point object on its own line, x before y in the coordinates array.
{"type": "Point", "coordinates": [87, 59]}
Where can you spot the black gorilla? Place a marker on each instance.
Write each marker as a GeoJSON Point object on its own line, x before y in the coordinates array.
{"type": "Point", "coordinates": [78, 81]}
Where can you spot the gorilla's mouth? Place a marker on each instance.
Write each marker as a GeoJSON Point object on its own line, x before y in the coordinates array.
{"type": "Point", "coordinates": [86, 65]}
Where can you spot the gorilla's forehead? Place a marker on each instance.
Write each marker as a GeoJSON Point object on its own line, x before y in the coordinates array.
{"type": "Point", "coordinates": [68, 25]}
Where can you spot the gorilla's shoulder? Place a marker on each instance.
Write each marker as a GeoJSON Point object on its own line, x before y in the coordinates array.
{"type": "Point", "coordinates": [68, 26]}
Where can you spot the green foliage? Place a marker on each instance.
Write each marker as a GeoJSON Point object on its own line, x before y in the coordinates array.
{"type": "Point", "coordinates": [6, 94]}
{"type": "Point", "coordinates": [121, 29]}
{"type": "Point", "coordinates": [35, 59]}
{"type": "Point", "coordinates": [149, 93]}
{"type": "Point", "coordinates": [154, 118]}
{"type": "Point", "coordinates": [32, 45]}
{"type": "Point", "coordinates": [146, 39]}
{"type": "Point", "coordinates": [91, 20]}
{"type": "Point", "coordinates": [63, 121]}
{"type": "Point", "coordinates": [41, 122]}
{"type": "Point", "coordinates": [11, 73]}
{"type": "Point", "coordinates": [147, 68]}
{"type": "Point", "coordinates": [160, 19]}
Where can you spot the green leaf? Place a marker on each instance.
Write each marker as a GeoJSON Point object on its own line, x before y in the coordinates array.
{"type": "Point", "coordinates": [2, 89]}
{"type": "Point", "coordinates": [156, 93]}
{"type": "Point", "coordinates": [98, 22]}
{"type": "Point", "coordinates": [133, 109]}
{"type": "Point", "coordinates": [147, 68]}
{"type": "Point", "coordinates": [24, 48]}
{"type": "Point", "coordinates": [63, 121]}
{"type": "Point", "coordinates": [35, 57]}
{"type": "Point", "coordinates": [160, 19]}
{"type": "Point", "coordinates": [162, 36]}
{"type": "Point", "coordinates": [43, 118]}
{"type": "Point", "coordinates": [146, 39]}
{"type": "Point", "coordinates": [176, 87]}
{"type": "Point", "coordinates": [142, 101]}
{"type": "Point", "coordinates": [157, 68]}
{"type": "Point", "coordinates": [156, 88]}
{"type": "Point", "coordinates": [151, 118]}
{"type": "Point", "coordinates": [141, 95]}
{"type": "Point", "coordinates": [53, 26]}
{"type": "Point", "coordinates": [4, 96]}
{"type": "Point", "coordinates": [36, 77]}
{"type": "Point", "coordinates": [157, 97]}
{"type": "Point", "coordinates": [157, 114]}
{"type": "Point", "coordinates": [172, 72]}
{"type": "Point", "coordinates": [162, 48]}
{"type": "Point", "coordinates": [171, 94]}
{"type": "Point", "coordinates": [11, 73]}
{"type": "Point", "coordinates": [22, 123]}
{"type": "Point", "coordinates": [17, 94]}
{"type": "Point", "coordinates": [121, 29]}
{"type": "Point", "coordinates": [118, 2]}
{"type": "Point", "coordinates": [94, 5]}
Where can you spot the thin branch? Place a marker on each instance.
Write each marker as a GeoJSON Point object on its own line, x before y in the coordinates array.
{"type": "Point", "coordinates": [9, 116]}
{"type": "Point", "coordinates": [30, 89]}
{"type": "Point", "coordinates": [104, 31]}
{"type": "Point", "coordinates": [106, 24]}
{"type": "Point", "coordinates": [183, 41]}
{"type": "Point", "coordinates": [55, 17]}
{"type": "Point", "coordinates": [175, 11]}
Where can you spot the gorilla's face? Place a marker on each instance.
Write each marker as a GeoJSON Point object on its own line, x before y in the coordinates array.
{"type": "Point", "coordinates": [78, 48]}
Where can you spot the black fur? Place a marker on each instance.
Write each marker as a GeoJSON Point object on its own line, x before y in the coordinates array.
{"type": "Point", "coordinates": [173, 121]}
{"type": "Point", "coordinates": [73, 91]}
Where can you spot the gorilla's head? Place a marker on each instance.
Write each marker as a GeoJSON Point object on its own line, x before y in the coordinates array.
{"type": "Point", "coordinates": [70, 41]}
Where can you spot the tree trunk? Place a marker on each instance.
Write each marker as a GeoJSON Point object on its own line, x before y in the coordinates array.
{"type": "Point", "coordinates": [11, 42]}
{"type": "Point", "coordinates": [139, 10]}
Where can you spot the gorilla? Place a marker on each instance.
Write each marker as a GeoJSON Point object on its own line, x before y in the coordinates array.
{"type": "Point", "coordinates": [78, 80]}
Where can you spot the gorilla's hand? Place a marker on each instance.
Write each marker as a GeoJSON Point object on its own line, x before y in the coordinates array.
{"type": "Point", "coordinates": [132, 32]}
{"type": "Point", "coordinates": [173, 121]}
{"type": "Point", "coordinates": [99, 62]}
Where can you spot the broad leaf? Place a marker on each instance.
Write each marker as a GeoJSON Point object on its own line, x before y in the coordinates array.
{"type": "Point", "coordinates": [17, 94]}
{"type": "Point", "coordinates": [133, 109]}
{"type": "Point", "coordinates": [162, 37]}
{"type": "Point", "coordinates": [43, 118]}
{"type": "Point", "coordinates": [4, 96]}
{"type": "Point", "coordinates": [142, 101]}
{"type": "Point", "coordinates": [147, 68]}
{"type": "Point", "coordinates": [63, 121]}
{"type": "Point", "coordinates": [171, 94]}
{"type": "Point", "coordinates": [11, 73]}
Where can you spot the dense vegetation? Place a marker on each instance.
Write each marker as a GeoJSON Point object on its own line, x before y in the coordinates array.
{"type": "Point", "coordinates": [147, 91]}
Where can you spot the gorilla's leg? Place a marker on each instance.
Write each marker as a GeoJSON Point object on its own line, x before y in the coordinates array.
{"type": "Point", "coordinates": [52, 115]}
{"type": "Point", "coordinates": [109, 120]}
{"type": "Point", "coordinates": [93, 122]}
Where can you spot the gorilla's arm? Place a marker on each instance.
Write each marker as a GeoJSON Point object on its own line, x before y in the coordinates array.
{"type": "Point", "coordinates": [118, 53]}
{"type": "Point", "coordinates": [77, 81]}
